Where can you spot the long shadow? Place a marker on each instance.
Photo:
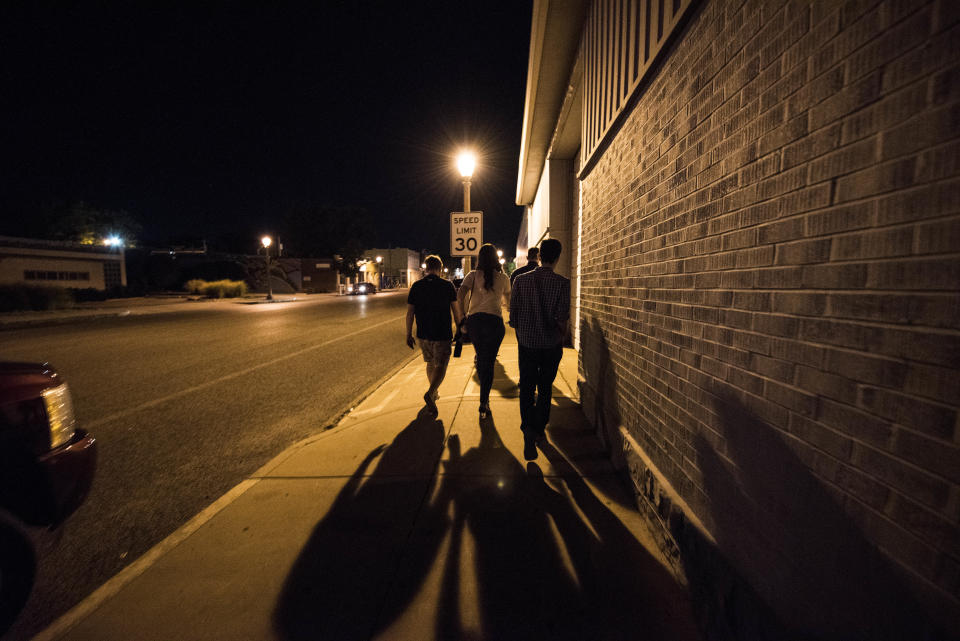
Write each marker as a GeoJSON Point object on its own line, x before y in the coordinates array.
{"type": "Point", "coordinates": [542, 571]}
{"type": "Point", "coordinates": [332, 591]}
{"type": "Point", "coordinates": [786, 534]}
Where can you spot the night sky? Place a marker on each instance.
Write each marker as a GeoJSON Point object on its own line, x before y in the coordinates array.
{"type": "Point", "coordinates": [208, 120]}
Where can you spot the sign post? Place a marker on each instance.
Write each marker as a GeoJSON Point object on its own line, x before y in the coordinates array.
{"type": "Point", "coordinates": [466, 232]}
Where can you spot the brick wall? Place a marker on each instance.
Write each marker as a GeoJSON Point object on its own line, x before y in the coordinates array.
{"type": "Point", "coordinates": [770, 310]}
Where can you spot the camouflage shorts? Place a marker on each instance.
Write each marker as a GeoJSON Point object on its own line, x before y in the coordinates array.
{"type": "Point", "coordinates": [437, 352]}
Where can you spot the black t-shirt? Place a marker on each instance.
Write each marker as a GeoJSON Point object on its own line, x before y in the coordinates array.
{"type": "Point", "coordinates": [529, 267]}
{"type": "Point", "coordinates": [431, 297]}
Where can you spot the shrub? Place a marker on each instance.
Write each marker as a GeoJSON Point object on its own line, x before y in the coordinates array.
{"type": "Point", "coordinates": [33, 297]}
{"type": "Point", "coordinates": [217, 289]}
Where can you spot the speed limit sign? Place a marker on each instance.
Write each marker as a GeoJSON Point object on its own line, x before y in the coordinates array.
{"type": "Point", "coordinates": [466, 232]}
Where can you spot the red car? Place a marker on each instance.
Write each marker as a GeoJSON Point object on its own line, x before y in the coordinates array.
{"type": "Point", "coordinates": [47, 465]}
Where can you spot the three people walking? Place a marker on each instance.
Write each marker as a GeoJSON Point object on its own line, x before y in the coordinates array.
{"type": "Point", "coordinates": [539, 304]}
{"type": "Point", "coordinates": [483, 293]}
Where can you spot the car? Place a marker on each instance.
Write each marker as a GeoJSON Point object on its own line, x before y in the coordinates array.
{"type": "Point", "coordinates": [361, 288]}
{"type": "Point", "coordinates": [47, 465]}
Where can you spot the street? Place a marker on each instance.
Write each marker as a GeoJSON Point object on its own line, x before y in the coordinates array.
{"type": "Point", "coordinates": [185, 406]}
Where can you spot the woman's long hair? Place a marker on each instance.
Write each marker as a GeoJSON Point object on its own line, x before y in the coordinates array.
{"type": "Point", "coordinates": [488, 262]}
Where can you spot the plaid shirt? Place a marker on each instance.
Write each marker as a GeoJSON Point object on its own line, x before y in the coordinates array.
{"type": "Point", "coordinates": [538, 318]}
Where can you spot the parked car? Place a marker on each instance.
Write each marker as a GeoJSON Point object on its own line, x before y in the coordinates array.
{"type": "Point", "coordinates": [362, 288]}
{"type": "Point", "coordinates": [47, 465]}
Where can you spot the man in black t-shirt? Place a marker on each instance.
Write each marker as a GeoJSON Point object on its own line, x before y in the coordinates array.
{"type": "Point", "coordinates": [430, 301]}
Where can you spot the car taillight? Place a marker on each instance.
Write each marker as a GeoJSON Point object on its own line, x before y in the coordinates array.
{"type": "Point", "coordinates": [59, 408]}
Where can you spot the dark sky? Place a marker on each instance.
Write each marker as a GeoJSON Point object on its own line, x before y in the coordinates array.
{"type": "Point", "coordinates": [207, 119]}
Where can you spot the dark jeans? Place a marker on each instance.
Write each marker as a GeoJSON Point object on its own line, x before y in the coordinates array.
{"type": "Point", "coordinates": [538, 368]}
{"type": "Point", "coordinates": [486, 333]}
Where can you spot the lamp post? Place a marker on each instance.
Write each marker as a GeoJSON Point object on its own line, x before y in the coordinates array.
{"type": "Point", "coordinates": [266, 241]}
{"type": "Point", "coordinates": [466, 163]}
{"type": "Point", "coordinates": [380, 272]}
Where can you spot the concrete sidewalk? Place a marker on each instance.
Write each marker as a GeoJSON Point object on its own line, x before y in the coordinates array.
{"type": "Point", "coordinates": [397, 524]}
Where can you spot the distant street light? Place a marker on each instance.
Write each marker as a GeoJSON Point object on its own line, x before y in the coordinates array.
{"type": "Point", "coordinates": [466, 163]}
{"type": "Point", "coordinates": [379, 272]}
{"type": "Point", "coordinates": [266, 241]}
{"type": "Point", "coordinates": [113, 241]}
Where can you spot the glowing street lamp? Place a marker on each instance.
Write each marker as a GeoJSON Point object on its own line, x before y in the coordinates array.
{"type": "Point", "coordinates": [266, 241]}
{"type": "Point", "coordinates": [379, 272]}
{"type": "Point", "coordinates": [466, 163]}
{"type": "Point", "coordinates": [113, 241]}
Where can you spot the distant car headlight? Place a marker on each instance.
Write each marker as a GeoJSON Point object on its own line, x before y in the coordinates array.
{"type": "Point", "coordinates": [349, 288]}
{"type": "Point", "coordinates": [59, 408]}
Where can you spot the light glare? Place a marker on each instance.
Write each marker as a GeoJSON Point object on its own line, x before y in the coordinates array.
{"type": "Point", "coordinates": [267, 241]}
{"type": "Point", "coordinates": [466, 163]}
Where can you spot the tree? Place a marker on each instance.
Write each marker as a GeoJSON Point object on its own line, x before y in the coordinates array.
{"type": "Point", "coordinates": [79, 222]}
{"type": "Point", "coordinates": [311, 230]}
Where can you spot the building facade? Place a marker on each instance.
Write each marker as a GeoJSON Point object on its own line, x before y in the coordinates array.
{"type": "Point", "coordinates": [60, 264]}
{"type": "Point", "coordinates": [762, 203]}
{"type": "Point", "coordinates": [398, 267]}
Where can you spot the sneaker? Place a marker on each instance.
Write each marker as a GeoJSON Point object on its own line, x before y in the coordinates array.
{"type": "Point", "coordinates": [484, 410]}
{"type": "Point", "coordinates": [529, 448]}
{"type": "Point", "coordinates": [431, 404]}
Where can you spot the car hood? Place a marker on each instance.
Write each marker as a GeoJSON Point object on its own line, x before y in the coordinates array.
{"type": "Point", "coordinates": [19, 381]}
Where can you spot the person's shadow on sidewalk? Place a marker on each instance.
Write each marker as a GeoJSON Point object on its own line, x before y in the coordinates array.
{"type": "Point", "coordinates": [543, 571]}
{"type": "Point", "coordinates": [335, 588]}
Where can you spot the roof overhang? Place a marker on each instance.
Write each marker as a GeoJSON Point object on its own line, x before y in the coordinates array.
{"type": "Point", "coordinates": [554, 42]}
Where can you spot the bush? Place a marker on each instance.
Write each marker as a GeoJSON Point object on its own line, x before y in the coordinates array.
{"type": "Point", "coordinates": [217, 289]}
{"type": "Point", "coordinates": [33, 297]}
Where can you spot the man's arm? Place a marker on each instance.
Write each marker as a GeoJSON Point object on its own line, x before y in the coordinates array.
{"type": "Point", "coordinates": [514, 296]}
{"type": "Point", "coordinates": [563, 310]}
{"type": "Point", "coordinates": [457, 312]}
{"type": "Point", "coordinates": [410, 341]}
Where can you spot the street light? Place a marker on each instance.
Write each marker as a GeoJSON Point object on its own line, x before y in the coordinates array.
{"type": "Point", "coordinates": [266, 242]}
{"type": "Point", "coordinates": [466, 163]}
{"type": "Point", "coordinates": [379, 272]}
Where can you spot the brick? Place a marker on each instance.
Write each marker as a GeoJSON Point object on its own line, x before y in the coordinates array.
{"type": "Point", "coordinates": [886, 113]}
{"type": "Point", "coordinates": [845, 160]}
{"type": "Point", "coordinates": [781, 231]}
{"type": "Point", "coordinates": [947, 14]}
{"type": "Point", "coordinates": [791, 398]}
{"type": "Point", "coordinates": [913, 482]}
{"type": "Point", "coordinates": [922, 416]}
{"type": "Point", "coordinates": [740, 279]}
{"type": "Point", "coordinates": [803, 304]}
{"type": "Point", "coordinates": [865, 368]}
{"type": "Point", "coordinates": [923, 131]}
{"type": "Point", "coordinates": [858, 425]}
{"type": "Point", "coordinates": [740, 239]}
{"type": "Point", "coordinates": [945, 86]}
{"type": "Point", "coordinates": [756, 257]}
{"type": "Point", "coordinates": [885, 243]}
{"type": "Point", "coordinates": [827, 385]}
{"type": "Point", "coordinates": [737, 319]}
{"type": "Point", "coordinates": [811, 146]}
{"type": "Point", "coordinates": [937, 238]}
{"type": "Point", "coordinates": [780, 278]}
{"type": "Point", "coordinates": [815, 91]}
{"type": "Point", "coordinates": [821, 437]}
{"type": "Point", "coordinates": [929, 454]}
{"type": "Point", "coordinates": [754, 301]}
{"type": "Point", "coordinates": [929, 201]}
{"type": "Point", "coordinates": [934, 310]}
{"type": "Point", "coordinates": [925, 346]}
{"type": "Point", "coordinates": [892, 43]}
{"type": "Point", "coordinates": [774, 368]}
{"type": "Point", "coordinates": [793, 129]}
{"type": "Point", "coordinates": [846, 101]}
{"type": "Point", "coordinates": [844, 218]}
{"type": "Point", "coordinates": [800, 353]}
{"type": "Point", "coordinates": [890, 176]}
{"type": "Point", "coordinates": [920, 273]}
{"type": "Point", "coordinates": [855, 483]}
{"type": "Point", "coordinates": [852, 335]}
{"type": "Point", "coordinates": [774, 325]}
{"type": "Point", "coordinates": [847, 276]}
{"type": "Point", "coordinates": [938, 163]}
{"type": "Point", "coordinates": [807, 199]}
{"type": "Point", "coordinates": [923, 522]}
{"type": "Point", "coordinates": [803, 252]}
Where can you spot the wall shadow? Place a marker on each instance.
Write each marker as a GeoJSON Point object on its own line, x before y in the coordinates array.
{"type": "Point", "coordinates": [332, 591]}
{"type": "Point", "coordinates": [599, 396]}
{"type": "Point", "coordinates": [783, 532]}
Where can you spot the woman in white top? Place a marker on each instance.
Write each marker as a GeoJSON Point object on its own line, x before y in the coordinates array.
{"type": "Point", "coordinates": [487, 289]}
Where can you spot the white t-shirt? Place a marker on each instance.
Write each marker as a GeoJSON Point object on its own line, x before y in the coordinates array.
{"type": "Point", "coordinates": [483, 300]}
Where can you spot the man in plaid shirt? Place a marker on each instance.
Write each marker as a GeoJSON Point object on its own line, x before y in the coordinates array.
{"type": "Point", "coordinates": [539, 311]}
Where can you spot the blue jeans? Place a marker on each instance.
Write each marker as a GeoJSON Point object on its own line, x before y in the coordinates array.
{"type": "Point", "coordinates": [486, 333]}
{"type": "Point", "coordinates": [538, 369]}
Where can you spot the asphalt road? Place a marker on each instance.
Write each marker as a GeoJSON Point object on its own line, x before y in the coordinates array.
{"type": "Point", "coordinates": [186, 405]}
